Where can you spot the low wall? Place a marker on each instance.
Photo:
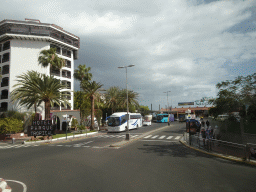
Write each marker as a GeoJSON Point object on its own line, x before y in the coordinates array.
{"type": "Point", "coordinates": [15, 135]}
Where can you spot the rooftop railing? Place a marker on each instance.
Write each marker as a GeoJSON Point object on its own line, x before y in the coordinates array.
{"type": "Point", "coordinates": [33, 30]}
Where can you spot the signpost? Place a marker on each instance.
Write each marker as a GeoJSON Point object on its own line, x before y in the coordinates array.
{"type": "Point", "coordinates": [41, 128]}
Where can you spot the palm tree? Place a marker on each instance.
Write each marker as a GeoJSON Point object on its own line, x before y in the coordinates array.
{"type": "Point", "coordinates": [50, 57]}
{"type": "Point", "coordinates": [91, 89]}
{"type": "Point", "coordinates": [132, 98]}
{"type": "Point", "coordinates": [112, 96]}
{"type": "Point", "coordinates": [34, 87]}
{"type": "Point", "coordinates": [82, 74]}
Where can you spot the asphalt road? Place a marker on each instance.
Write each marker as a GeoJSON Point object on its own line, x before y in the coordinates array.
{"type": "Point", "coordinates": [156, 162]}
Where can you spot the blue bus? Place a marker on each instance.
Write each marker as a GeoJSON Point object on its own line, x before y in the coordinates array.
{"type": "Point", "coordinates": [162, 118]}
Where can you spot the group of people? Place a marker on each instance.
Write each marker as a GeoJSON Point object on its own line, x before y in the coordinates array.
{"type": "Point", "coordinates": [208, 132]}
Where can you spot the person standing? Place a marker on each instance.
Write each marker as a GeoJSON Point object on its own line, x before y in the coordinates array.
{"type": "Point", "coordinates": [203, 135]}
{"type": "Point", "coordinates": [203, 123]}
{"type": "Point", "coordinates": [207, 132]}
{"type": "Point", "coordinates": [207, 123]}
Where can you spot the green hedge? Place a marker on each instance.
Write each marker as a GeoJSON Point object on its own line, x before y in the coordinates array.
{"type": "Point", "coordinates": [10, 125]}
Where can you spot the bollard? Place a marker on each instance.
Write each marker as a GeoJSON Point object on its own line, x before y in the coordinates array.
{"type": "Point", "coordinates": [13, 140]}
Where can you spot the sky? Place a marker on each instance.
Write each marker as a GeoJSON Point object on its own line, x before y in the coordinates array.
{"type": "Point", "coordinates": [182, 46]}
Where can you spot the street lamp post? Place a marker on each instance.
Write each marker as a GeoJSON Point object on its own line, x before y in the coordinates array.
{"type": "Point", "coordinates": [128, 117]}
{"type": "Point", "coordinates": [167, 104]}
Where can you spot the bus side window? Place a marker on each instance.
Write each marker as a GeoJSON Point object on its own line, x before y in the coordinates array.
{"type": "Point", "coordinates": [123, 121]}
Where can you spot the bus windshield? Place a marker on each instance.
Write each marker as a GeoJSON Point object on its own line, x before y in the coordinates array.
{"type": "Point", "coordinates": [159, 117]}
{"type": "Point", "coordinates": [113, 121]}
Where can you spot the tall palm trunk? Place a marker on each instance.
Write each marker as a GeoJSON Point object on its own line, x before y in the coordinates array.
{"type": "Point", "coordinates": [92, 112]}
{"type": "Point", "coordinates": [47, 105]}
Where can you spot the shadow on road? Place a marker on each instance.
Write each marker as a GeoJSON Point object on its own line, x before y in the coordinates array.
{"type": "Point", "coordinates": [173, 149]}
{"type": "Point", "coordinates": [179, 150]}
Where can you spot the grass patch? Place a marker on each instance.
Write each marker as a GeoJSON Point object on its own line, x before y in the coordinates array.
{"type": "Point", "coordinates": [64, 135]}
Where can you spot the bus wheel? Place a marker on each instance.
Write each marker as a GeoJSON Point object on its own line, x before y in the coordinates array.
{"type": "Point", "coordinates": [137, 126]}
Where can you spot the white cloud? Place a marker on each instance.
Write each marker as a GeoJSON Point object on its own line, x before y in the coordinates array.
{"type": "Point", "coordinates": [182, 45]}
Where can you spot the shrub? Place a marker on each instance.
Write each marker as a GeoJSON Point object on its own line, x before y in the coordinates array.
{"type": "Point", "coordinates": [10, 125]}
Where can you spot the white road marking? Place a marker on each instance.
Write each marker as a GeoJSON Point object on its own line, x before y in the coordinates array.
{"type": "Point", "coordinates": [147, 136]}
{"type": "Point", "coordinates": [169, 137]}
{"type": "Point", "coordinates": [86, 146]}
{"type": "Point", "coordinates": [23, 184]}
{"type": "Point", "coordinates": [155, 136]}
{"type": "Point", "coordinates": [87, 142]}
{"type": "Point", "coordinates": [177, 137]}
{"type": "Point", "coordinates": [161, 141]}
{"type": "Point", "coordinates": [59, 145]}
{"type": "Point", "coordinates": [162, 137]}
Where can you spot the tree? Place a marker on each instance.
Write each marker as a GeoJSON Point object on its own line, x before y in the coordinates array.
{"type": "Point", "coordinates": [234, 95]}
{"type": "Point", "coordinates": [112, 97]}
{"type": "Point", "coordinates": [144, 110]}
{"type": "Point", "coordinates": [91, 89]}
{"type": "Point", "coordinates": [36, 87]}
{"type": "Point", "coordinates": [82, 74]}
{"type": "Point", "coordinates": [132, 99]}
{"type": "Point", "coordinates": [50, 57]}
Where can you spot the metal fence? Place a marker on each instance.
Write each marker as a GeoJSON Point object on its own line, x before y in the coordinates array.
{"type": "Point", "coordinates": [242, 151]}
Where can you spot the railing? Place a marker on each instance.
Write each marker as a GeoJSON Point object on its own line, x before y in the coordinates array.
{"type": "Point", "coordinates": [39, 32]}
{"type": "Point", "coordinates": [5, 59]}
{"type": "Point", "coordinates": [221, 147]}
{"type": "Point", "coordinates": [3, 109]}
{"type": "Point", "coordinates": [4, 96]}
{"type": "Point", "coordinates": [55, 108]}
{"type": "Point", "coordinates": [4, 84]}
{"type": "Point", "coordinates": [55, 73]}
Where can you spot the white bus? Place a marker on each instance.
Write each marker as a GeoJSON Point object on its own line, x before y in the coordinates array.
{"type": "Point", "coordinates": [117, 121]}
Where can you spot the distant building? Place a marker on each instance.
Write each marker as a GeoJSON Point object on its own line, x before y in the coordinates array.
{"type": "Point", "coordinates": [20, 45]}
{"type": "Point", "coordinates": [198, 111]}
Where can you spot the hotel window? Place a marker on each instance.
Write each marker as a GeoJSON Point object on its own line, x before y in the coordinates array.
{"type": "Point", "coordinates": [6, 57]}
{"type": "Point", "coordinates": [6, 45]}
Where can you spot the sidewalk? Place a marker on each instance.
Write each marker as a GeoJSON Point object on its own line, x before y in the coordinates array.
{"type": "Point", "coordinates": [25, 142]}
{"type": "Point", "coordinates": [232, 158]}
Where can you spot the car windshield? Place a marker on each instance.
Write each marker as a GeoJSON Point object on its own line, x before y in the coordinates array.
{"type": "Point", "coordinates": [113, 121]}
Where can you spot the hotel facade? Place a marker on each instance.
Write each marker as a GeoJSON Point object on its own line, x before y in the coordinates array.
{"type": "Point", "coordinates": [20, 45]}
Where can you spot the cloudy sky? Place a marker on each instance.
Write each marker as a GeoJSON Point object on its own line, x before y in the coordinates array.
{"type": "Point", "coordinates": [182, 46]}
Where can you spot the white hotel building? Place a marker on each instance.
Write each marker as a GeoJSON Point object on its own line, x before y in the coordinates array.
{"type": "Point", "coordinates": [20, 45]}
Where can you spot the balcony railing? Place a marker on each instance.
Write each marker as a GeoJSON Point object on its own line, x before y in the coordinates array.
{"type": "Point", "coordinates": [5, 59]}
{"type": "Point", "coordinates": [55, 108]}
{"type": "Point", "coordinates": [34, 30]}
{"type": "Point", "coordinates": [55, 73]}
{"type": "Point", "coordinates": [4, 84]}
{"type": "Point", "coordinates": [4, 96]}
{"type": "Point", "coordinates": [3, 109]}
{"type": "Point", "coordinates": [6, 46]}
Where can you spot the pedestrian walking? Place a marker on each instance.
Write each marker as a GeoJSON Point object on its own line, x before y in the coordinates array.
{"type": "Point", "coordinates": [253, 153]}
{"type": "Point", "coordinates": [203, 123]}
{"type": "Point", "coordinates": [207, 133]}
{"type": "Point", "coordinates": [203, 135]}
{"type": "Point", "coordinates": [210, 132]}
{"type": "Point", "coordinates": [207, 123]}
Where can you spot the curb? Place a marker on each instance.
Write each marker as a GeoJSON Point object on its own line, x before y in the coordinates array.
{"type": "Point", "coordinates": [125, 142]}
{"type": "Point", "coordinates": [60, 138]}
{"type": "Point", "coordinates": [4, 187]}
{"type": "Point", "coordinates": [231, 158]}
